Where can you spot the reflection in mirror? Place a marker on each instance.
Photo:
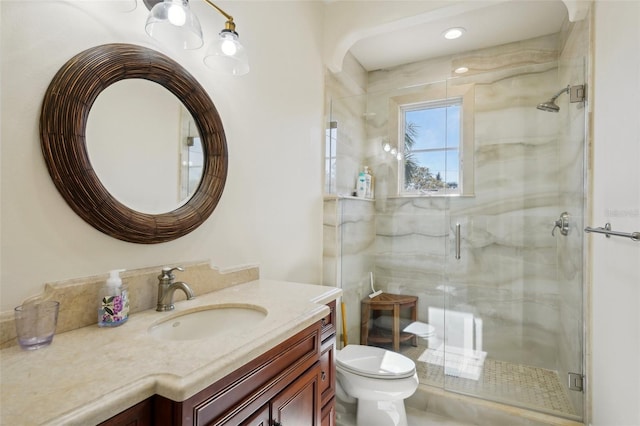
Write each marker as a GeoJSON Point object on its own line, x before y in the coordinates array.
{"type": "Point", "coordinates": [144, 146]}
{"type": "Point", "coordinates": [191, 167]}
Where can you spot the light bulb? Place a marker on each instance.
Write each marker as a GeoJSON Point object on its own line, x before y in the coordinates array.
{"type": "Point", "coordinates": [399, 156]}
{"type": "Point", "coordinates": [176, 15]}
{"type": "Point", "coordinates": [386, 147]}
{"type": "Point", "coordinates": [453, 33]}
{"type": "Point", "coordinates": [228, 46]}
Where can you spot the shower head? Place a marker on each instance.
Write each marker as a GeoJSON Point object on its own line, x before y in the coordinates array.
{"type": "Point", "coordinates": [550, 105]}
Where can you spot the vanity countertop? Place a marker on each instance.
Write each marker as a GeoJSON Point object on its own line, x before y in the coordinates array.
{"type": "Point", "coordinates": [90, 374]}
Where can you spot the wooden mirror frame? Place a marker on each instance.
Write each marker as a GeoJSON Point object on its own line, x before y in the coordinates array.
{"type": "Point", "coordinates": [63, 123]}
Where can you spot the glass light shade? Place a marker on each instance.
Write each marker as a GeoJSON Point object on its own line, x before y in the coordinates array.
{"type": "Point", "coordinates": [227, 55]}
{"type": "Point", "coordinates": [172, 23]}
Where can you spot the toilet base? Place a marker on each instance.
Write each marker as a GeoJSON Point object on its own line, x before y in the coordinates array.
{"type": "Point", "coordinates": [381, 413]}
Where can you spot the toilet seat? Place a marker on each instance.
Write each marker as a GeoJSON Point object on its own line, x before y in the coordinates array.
{"type": "Point", "coordinates": [373, 362]}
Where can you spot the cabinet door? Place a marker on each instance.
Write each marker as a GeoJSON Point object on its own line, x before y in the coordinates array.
{"type": "Point", "coordinates": [329, 414]}
{"type": "Point", "coordinates": [260, 418]}
{"type": "Point", "coordinates": [299, 403]}
{"type": "Point", "coordinates": [327, 368]}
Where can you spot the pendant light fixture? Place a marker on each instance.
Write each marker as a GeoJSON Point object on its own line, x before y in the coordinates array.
{"type": "Point", "coordinates": [226, 53]}
{"type": "Point", "coordinates": [173, 23]}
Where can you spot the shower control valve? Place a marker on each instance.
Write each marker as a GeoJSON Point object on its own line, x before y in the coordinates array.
{"type": "Point", "coordinates": [562, 224]}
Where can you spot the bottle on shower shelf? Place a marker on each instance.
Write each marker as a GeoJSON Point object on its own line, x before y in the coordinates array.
{"type": "Point", "coordinates": [361, 185]}
{"type": "Point", "coordinates": [369, 182]}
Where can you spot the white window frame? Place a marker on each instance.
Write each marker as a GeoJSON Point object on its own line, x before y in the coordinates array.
{"type": "Point", "coordinates": [437, 104]}
{"type": "Point", "coordinates": [437, 95]}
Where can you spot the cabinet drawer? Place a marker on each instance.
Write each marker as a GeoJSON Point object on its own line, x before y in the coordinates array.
{"type": "Point", "coordinates": [329, 321]}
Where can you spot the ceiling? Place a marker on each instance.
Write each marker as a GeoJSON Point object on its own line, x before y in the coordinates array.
{"type": "Point", "coordinates": [493, 25]}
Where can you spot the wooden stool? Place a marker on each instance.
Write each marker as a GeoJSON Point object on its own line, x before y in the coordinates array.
{"type": "Point", "coordinates": [387, 302]}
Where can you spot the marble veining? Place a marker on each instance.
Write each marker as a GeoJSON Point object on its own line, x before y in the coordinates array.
{"type": "Point", "coordinates": [524, 283]}
{"type": "Point", "coordinates": [78, 297]}
{"type": "Point", "coordinates": [89, 374]}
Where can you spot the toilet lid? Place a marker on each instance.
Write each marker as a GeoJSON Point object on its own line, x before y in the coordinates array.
{"type": "Point", "coordinates": [375, 362]}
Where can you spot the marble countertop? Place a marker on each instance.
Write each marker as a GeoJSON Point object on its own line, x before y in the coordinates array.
{"type": "Point", "coordinates": [90, 374]}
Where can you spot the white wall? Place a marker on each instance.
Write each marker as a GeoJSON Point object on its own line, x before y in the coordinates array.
{"type": "Point", "coordinates": [615, 262]}
{"type": "Point", "coordinates": [271, 209]}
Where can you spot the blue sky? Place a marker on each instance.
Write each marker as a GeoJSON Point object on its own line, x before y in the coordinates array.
{"type": "Point", "coordinates": [438, 128]}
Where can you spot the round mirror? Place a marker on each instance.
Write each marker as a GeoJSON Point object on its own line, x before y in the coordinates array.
{"type": "Point", "coordinates": [66, 136]}
{"type": "Point", "coordinates": [144, 146]}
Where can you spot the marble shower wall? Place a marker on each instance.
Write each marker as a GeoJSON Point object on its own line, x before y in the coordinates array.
{"type": "Point", "coordinates": [349, 222]}
{"type": "Point", "coordinates": [349, 240]}
{"type": "Point", "coordinates": [507, 271]}
{"type": "Point", "coordinates": [525, 284]}
{"type": "Point", "coordinates": [345, 105]}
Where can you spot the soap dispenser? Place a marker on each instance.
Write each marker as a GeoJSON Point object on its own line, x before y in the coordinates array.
{"type": "Point", "coordinates": [113, 308]}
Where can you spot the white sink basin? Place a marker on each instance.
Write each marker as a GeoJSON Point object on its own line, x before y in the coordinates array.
{"type": "Point", "coordinates": [208, 321]}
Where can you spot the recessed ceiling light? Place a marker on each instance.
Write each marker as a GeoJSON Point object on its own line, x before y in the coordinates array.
{"type": "Point", "coordinates": [453, 33]}
{"type": "Point", "coordinates": [461, 70]}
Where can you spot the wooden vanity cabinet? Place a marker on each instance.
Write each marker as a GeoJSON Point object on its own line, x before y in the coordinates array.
{"type": "Point", "coordinates": [292, 384]}
{"type": "Point", "coordinates": [140, 414]}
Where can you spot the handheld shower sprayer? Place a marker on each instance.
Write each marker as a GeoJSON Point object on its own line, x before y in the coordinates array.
{"type": "Point", "coordinates": [374, 293]}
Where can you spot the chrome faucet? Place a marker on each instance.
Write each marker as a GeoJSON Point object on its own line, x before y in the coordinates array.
{"type": "Point", "coordinates": [167, 286]}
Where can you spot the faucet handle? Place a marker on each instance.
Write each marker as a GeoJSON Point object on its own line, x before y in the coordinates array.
{"type": "Point", "coordinates": [167, 272]}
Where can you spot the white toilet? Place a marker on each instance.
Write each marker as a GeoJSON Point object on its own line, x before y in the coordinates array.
{"type": "Point", "coordinates": [379, 379]}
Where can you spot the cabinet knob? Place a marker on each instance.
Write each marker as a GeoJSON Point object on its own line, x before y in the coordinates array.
{"type": "Point", "coordinates": [324, 322]}
{"type": "Point", "coordinates": [277, 423]}
{"type": "Point", "coordinates": [324, 376]}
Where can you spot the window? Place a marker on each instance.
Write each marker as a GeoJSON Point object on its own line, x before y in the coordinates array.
{"type": "Point", "coordinates": [330, 158]}
{"type": "Point", "coordinates": [435, 127]}
{"type": "Point", "coordinates": [431, 132]}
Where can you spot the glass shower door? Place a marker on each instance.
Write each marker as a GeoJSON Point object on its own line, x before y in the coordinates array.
{"type": "Point", "coordinates": [513, 290]}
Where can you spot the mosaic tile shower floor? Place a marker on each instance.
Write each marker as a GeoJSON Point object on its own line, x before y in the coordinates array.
{"type": "Point", "coordinates": [501, 381]}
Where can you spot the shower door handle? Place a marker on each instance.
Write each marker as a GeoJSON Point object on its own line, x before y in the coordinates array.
{"type": "Point", "coordinates": [458, 241]}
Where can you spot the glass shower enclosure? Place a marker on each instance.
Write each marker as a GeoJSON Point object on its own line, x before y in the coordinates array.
{"type": "Point", "coordinates": [496, 267]}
